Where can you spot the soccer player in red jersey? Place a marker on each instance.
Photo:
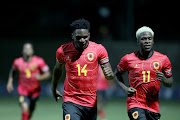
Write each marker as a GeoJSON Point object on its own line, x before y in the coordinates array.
{"type": "Point", "coordinates": [81, 58]}
{"type": "Point", "coordinates": [32, 69]}
{"type": "Point", "coordinates": [147, 69]}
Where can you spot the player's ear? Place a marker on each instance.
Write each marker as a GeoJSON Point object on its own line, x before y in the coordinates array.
{"type": "Point", "coordinates": [88, 35]}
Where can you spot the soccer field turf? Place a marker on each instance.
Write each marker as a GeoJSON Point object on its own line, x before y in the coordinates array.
{"type": "Point", "coordinates": [48, 109]}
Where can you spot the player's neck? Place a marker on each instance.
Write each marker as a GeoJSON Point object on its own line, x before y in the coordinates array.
{"type": "Point", "coordinates": [27, 58]}
{"type": "Point", "coordinates": [146, 54]}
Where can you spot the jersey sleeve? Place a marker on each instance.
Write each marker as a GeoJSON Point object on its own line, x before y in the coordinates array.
{"type": "Point", "coordinates": [167, 68]}
{"type": "Point", "coordinates": [43, 66]}
{"type": "Point", "coordinates": [60, 55]}
{"type": "Point", "coordinates": [123, 65]}
{"type": "Point", "coordinates": [103, 55]}
{"type": "Point", "coordinates": [15, 64]}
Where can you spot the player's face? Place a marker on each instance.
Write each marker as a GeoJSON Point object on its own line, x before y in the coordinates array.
{"type": "Point", "coordinates": [28, 49]}
{"type": "Point", "coordinates": [146, 41]}
{"type": "Point", "coordinates": [81, 38]}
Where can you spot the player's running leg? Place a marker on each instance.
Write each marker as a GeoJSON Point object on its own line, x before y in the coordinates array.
{"type": "Point", "coordinates": [24, 102]}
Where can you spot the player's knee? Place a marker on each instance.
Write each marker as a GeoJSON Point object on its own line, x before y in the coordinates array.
{"type": "Point", "coordinates": [25, 106]}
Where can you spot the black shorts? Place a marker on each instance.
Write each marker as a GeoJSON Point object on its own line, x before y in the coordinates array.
{"type": "Point", "coordinates": [72, 111]}
{"type": "Point", "coordinates": [142, 114]}
{"type": "Point", "coordinates": [29, 100]}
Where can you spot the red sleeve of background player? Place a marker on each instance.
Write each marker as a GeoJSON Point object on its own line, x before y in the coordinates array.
{"type": "Point", "coordinates": [43, 66]}
{"type": "Point", "coordinates": [60, 54]}
{"type": "Point", "coordinates": [167, 67]}
{"type": "Point", "coordinates": [103, 55]}
{"type": "Point", "coordinates": [122, 66]}
{"type": "Point", "coordinates": [15, 64]}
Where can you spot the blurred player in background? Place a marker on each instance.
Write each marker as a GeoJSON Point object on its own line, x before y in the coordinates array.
{"type": "Point", "coordinates": [32, 69]}
{"type": "Point", "coordinates": [81, 58]}
{"type": "Point", "coordinates": [102, 86]}
{"type": "Point", "coordinates": [147, 69]}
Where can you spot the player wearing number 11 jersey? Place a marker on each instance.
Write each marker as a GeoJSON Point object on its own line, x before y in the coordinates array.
{"type": "Point", "coordinates": [147, 69]}
{"type": "Point", "coordinates": [81, 58]}
{"type": "Point", "coordinates": [32, 69]}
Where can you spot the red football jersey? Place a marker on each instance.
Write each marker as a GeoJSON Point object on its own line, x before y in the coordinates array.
{"type": "Point", "coordinates": [142, 77]}
{"type": "Point", "coordinates": [80, 85]}
{"type": "Point", "coordinates": [28, 84]}
{"type": "Point", "coordinates": [102, 82]}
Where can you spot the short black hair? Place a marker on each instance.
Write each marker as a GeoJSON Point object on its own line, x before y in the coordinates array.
{"type": "Point", "coordinates": [80, 24]}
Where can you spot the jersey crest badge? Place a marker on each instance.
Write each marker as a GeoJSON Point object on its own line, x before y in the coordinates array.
{"type": "Point", "coordinates": [90, 56]}
{"type": "Point", "coordinates": [156, 65]}
{"type": "Point", "coordinates": [33, 67]}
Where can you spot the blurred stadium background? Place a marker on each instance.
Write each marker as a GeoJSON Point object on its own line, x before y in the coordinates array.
{"type": "Point", "coordinates": [113, 24]}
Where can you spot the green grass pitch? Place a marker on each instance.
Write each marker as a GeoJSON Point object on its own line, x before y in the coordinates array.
{"type": "Point", "coordinates": [48, 109]}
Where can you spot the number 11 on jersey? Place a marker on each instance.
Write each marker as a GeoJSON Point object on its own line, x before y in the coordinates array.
{"type": "Point", "coordinates": [144, 76]}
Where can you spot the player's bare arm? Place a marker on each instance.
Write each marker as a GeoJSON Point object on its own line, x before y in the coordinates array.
{"type": "Point", "coordinates": [57, 73]}
{"type": "Point", "coordinates": [12, 74]}
{"type": "Point", "coordinates": [43, 76]}
{"type": "Point", "coordinates": [107, 70]}
{"type": "Point", "coordinates": [167, 82]}
{"type": "Point", "coordinates": [120, 81]}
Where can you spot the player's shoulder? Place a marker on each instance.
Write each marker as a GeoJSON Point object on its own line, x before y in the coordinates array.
{"type": "Point", "coordinates": [65, 46]}
{"type": "Point", "coordinates": [158, 54]}
{"type": "Point", "coordinates": [95, 45]}
{"type": "Point", "coordinates": [18, 59]}
{"type": "Point", "coordinates": [129, 55]}
{"type": "Point", "coordinates": [37, 58]}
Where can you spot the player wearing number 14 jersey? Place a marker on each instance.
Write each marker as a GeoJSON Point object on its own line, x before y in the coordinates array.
{"type": "Point", "coordinates": [147, 69]}
{"type": "Point", "coordinates": [32, 69]}
{"type": "Point", "coordinates": [81, 58]}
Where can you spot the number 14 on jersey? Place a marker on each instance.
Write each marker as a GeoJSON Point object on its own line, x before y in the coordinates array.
{"type": "Point", "coordinates": [83, 70]}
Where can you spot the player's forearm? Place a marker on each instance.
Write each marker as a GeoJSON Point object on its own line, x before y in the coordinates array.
{"type": "Point", "coordinates": [10, 80]}
{"type": "Point", "coordinates": [57, 73]}
{"type": "Point", "coordinates": [11, 75]}
{"type": "Point", "coordinates": [120, 83]}
{"type": "Point", "coordinates": [168, 82]}
{"type": "Point", "coordinates": [107, 70]}
{"type": "Point", "coordinates": [45, 76]}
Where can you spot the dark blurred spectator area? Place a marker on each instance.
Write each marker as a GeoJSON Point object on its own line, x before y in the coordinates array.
{"type": "Point", "coordinates": [120, 19]}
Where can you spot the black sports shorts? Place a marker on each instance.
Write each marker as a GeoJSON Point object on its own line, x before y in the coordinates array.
{"type": "Point", "coordinates": [72, 111]}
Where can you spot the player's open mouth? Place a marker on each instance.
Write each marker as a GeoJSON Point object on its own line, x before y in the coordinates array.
{"type": "Point", "coordinates": [147, 46]}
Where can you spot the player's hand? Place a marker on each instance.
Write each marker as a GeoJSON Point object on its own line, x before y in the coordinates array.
{"type": "Point", "coordinates": [56, 94]}
{"type": "Point", "coordinates": [130, 91]}
{"type": "Point", "coordinates": [9, 87]}
{"type": "Point", "coordinates": [160, 76]}
{"type": "Point", "coordinates": [38, 77]}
